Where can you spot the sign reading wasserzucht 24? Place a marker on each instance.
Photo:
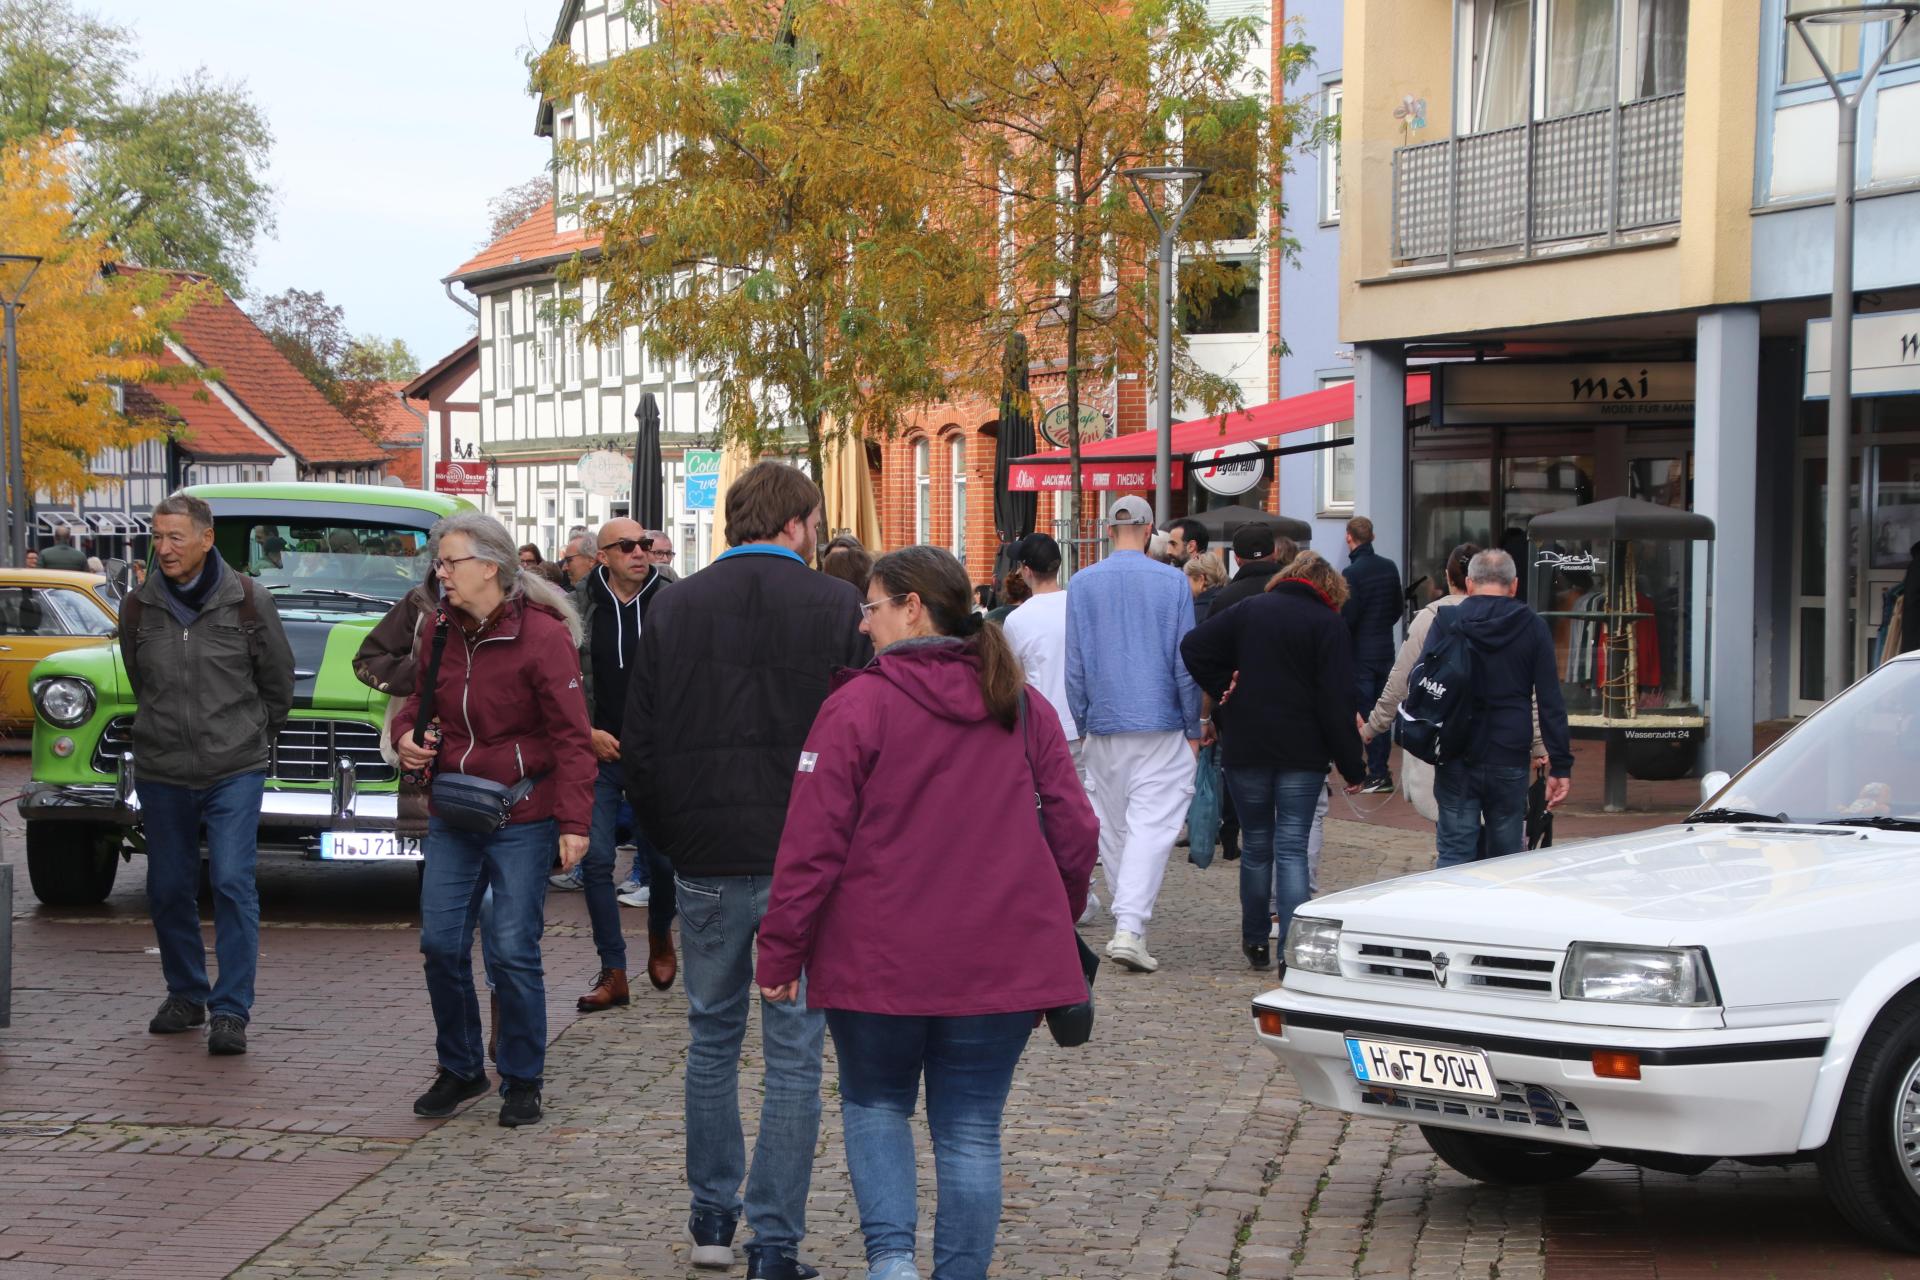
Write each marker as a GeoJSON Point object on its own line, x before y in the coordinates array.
{"type": "Point", "coordinates": [1516, 394]}
{"type": "Point", "coordinates": [460, 477]}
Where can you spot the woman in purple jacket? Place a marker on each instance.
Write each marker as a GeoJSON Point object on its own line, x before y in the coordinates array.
{"type": "Point", "coordinates": [930, 907]}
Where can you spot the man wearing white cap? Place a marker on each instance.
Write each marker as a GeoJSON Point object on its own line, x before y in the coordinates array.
{"type": "Point", "coordinates": [1139, 710]}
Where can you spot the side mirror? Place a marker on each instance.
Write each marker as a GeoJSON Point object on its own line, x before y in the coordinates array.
{"type": "Point", "coordinates": [1711, 784]}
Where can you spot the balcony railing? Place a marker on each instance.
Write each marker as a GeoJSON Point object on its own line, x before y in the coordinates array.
{"type": "Point", "coordinates": [1596, 175]}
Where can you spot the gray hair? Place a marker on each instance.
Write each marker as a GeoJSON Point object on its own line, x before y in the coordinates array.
{"type": "Point", "coordinates": [1492, 567]}
{"type": "Point", "coordinates": [177, 504]}
{"type": "Point", "coordinates": [492, 543]}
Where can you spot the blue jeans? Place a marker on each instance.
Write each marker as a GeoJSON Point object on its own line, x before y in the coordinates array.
{"type": "Point", "coordinates": [596, 869]}
{"type": "Point", "coordinates": [1369, 678]}
{"type": "Point", "coordinates": [460, 867]}
{"type": "Point", "coordinates": [1276, 808]}
{"type": "Point", "coordinates": [172, 817]}
{"type": "Point", "coordinates": [718, 919]}
{"type": "Point", "coordinates": [650, 867]}
{"type": "Point", "coordinates": [1476, 796]}
{"type": "Point", "coordinates": [969, 1065]}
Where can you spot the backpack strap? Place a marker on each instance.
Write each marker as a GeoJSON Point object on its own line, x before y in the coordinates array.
{"type": "Point", "coordinates": [250, 617]}
{"type": "Point", "coordinates": [130, 610]}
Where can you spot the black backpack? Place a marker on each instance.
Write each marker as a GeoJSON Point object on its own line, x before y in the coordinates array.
{"type": "Point", "coordinates": [1436, 717]}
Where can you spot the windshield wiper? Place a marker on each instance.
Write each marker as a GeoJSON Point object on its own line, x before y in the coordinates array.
{"type": "Point", "coordinates": [1734, 815]}
{"type": "Point", "coordinates": [294, 588]}
{"type": "Point", "coordinates": [1885, 822]}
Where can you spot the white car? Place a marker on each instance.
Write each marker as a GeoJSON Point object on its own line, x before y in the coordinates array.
{"type": "Point", "coordinates": [1741, 985]}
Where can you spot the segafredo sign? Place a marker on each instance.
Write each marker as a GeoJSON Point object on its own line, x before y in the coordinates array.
{"type": "Point", "coordinates": [1228, 470]}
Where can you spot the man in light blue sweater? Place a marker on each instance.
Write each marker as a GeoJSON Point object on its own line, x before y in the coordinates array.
{"type": "Point", "coordinates": [1139, 710]}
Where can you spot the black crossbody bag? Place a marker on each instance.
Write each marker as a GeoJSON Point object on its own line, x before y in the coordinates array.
{"type": "Point", "coordinates": [1071, 1025]}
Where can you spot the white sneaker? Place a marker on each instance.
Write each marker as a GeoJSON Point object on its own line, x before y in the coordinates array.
{"type": "Point", "coordinates": [1092, 908]}
{"type": "Point", "coordinates": [574, 879]}
{"type": "Point", "coordinates": [1129, 951]}
{"type": "Point", "coordinates": [635, 894]}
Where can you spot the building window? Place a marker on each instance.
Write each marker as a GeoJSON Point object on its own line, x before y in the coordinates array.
{"type": "Point", "coordinates": [1231, 157]}
{"type": "Point", "coordinates": [1907, 47]}
{"type": "Point", "coordinates": [1495, 55]}
{"type": "Point", "coordinates": [567, 174]}
{"type": "Point", "coordinates": [922, 491]}
{"type": "Point", "coordinates": [1575, 70]}
{"type": "Point", "coordinates": [502, 347]}
{"type": "Point", "coordinates": [1234, 309]}
{"type": "Point", "coordinates": [958, 451]}
{"type": "Point", "coordinates": [1334, 468]}
{"type": "Point", "coordinates": [1330, 154]}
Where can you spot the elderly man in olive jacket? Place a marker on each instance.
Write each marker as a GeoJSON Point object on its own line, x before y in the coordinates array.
{"type": "Point", "coordinates": [212, 674]}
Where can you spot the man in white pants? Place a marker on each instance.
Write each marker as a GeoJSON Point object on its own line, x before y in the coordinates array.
{"type": "Point", "coordinates": [1139, 710]}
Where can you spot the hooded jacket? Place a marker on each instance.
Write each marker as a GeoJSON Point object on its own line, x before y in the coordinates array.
{"type": "Point", "coordinates": [1513, 669]}
{"type": "Point", "coordinates": [510, 707]}
{"type": "Point", "coordinates": [914, 876]}
{"type": "Point", "coordinates": [1248, 581]}
{"type": "Point", "coordinates": [1292, 707]}
{"type": "Point", "coordinates": [587, 601]}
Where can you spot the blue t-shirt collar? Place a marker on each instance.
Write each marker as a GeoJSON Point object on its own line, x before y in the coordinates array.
{"type": "Point", "coordinates": [761, 549]}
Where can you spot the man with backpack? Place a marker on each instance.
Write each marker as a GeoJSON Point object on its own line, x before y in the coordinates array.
{"type": "Point", "coordinates": [1469, 710]}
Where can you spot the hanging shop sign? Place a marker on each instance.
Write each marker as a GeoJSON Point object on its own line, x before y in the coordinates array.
{"type": "Point", "coordinates": [606, 474]}
{"type": "Point", "coordinates": [1227, 470]}
{"type": "Point", "coordinates": [703, 478]}
{"type": "Point", "coordinates": [1053, 426]}
{"type": "Point", "coordinates": [1095, 475]}
{"type": "Point", "coordinates": [1627, 393]}
{"type": "Point", "coordinates": [1886, 355]}
{"type": "Point", "coordinates": [460, 477]}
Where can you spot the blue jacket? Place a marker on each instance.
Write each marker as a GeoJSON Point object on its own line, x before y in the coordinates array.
{"type": "Point", "coordinates": [1513, 667]}
{"type": "Point", "coordinates": [1374, 604]}
{"type": "Point", "coordinates": [1126, 617]}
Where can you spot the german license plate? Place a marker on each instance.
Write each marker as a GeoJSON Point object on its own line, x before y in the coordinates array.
{"type": "Point", "coordinates": [1422, 1067]}
{"type": "Point", "coordinates": [368, 846]}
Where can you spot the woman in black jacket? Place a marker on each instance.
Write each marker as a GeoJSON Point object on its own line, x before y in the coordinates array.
{"type": "Point", "coordinates": [1280, 667]}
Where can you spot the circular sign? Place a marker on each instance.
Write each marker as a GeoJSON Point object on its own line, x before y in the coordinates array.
{"type": "Point", "coordinates": [1053, 425]}
{"type": "Point", "coordinates": [605, 474]}
{"type": "Point", "coordinates": [1227, 470]}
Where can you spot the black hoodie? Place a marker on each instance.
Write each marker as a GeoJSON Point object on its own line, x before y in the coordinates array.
{"type": "Point", "coordinates": [1515, 668]}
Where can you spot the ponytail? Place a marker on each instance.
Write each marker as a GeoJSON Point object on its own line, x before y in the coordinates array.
{"type": "Point", "coordinates": [1001, 678]}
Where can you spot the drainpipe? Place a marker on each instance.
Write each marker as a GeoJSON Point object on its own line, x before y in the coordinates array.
{"type": "Point", "coordinates": [426, 443]}
{"type": "Point", "coordinates": [470, 308]}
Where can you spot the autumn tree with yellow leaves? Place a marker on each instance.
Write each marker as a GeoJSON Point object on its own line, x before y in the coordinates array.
{"type": "Point", "coordinates": [82, 329]}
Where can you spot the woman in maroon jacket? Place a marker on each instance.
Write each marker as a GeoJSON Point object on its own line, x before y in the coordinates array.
{"type": "Point", "coordinates": [929, 905]}
{"type": "Point", "coordinates": [509, 708]}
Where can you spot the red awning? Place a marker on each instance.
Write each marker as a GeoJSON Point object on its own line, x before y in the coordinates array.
{"type": "Point", "coordinates": [1262, 422]}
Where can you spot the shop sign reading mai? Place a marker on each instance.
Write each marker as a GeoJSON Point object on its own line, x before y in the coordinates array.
{"type": "Point", "coordinates": [1227, 470]}
{"type": "Point", "coordinates": [1522, 394]}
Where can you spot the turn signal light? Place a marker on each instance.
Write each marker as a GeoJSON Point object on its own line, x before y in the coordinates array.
{"type": "Point", "coordinates": [1616, 1064]}
{"type": "Point", "coordinates": [1270, 1022]}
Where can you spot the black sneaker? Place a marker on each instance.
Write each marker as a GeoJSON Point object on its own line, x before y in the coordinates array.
{"type": "Point", "coordinates": [522, 1106]}
{"type": "Point", "coordinates": [1229, 844]}
{"type": "Point", "coordinates": [447, 1092]}
{"type": "Point", "coordinates": [1377, 786]}
{"type": "Point", "coordinates": [1257, 954]}
{"type": "Point", "coordinates": [711, 1234]}
{"type": "Point", "coordinates": [767, 1262]}
{"type": "Point", "coordinates": [227, 1035]}
{"type": "Point", "coordinates": [177, 1014]}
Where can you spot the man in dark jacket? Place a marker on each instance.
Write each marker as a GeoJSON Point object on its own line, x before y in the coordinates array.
{"type": "Point", "coordinates": [734, 663]}
{"type": "Point", "coordinates": [1374, 605]}
{"type": "Point", "coordinates": [613, 601]}
{"type": "Point", "coordinates": [212, 675]}
{"type": "Point", "coordinates": [1258, 557]}
{"type": "Point", "coordinates": [1513, 671]}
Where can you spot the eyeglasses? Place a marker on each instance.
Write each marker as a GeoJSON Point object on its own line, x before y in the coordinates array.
{"type": "Point", "coordinates": [868, 606]}
{"type": "Point", "coordinates": [626, 545]}
{"type": "Point", "coordinates": [442, 562]}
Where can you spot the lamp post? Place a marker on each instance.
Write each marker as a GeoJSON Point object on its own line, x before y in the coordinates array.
{"type": "Point", "coordinates": [1169, 228]}
{"type": "Point", "coordinates": [13, 449]}
{"type": "Point", "coordinates": [1840, 389]}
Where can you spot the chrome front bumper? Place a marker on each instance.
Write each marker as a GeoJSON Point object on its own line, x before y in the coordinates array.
{"type": "Point", "coordinates": [341, 807]}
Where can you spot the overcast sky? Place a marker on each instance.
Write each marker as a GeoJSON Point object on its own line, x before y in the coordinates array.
{"type": "Point", "coordinates": [394, 122]}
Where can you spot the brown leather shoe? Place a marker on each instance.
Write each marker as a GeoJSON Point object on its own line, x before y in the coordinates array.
{"type": "Point", "coordinates": [609, 989]}
{"type": "Point", "coordinates": [662, 964]}
{"type": "Point", "coordinates": [493, 1027]}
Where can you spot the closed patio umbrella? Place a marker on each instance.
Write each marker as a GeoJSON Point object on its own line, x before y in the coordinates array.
{"type": "Point", "coordinates": [1220, 522]}
{"type": "Point", "coordinates": [1013, 513]}
{"type": "Point", "coordinates": [648, 505]}
{"type": "Point", "coordinates": [848, 491]}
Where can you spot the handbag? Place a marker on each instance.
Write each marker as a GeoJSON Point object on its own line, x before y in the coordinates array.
{"type": "Point", "coordinates": [1071, 1025]}
{"type": "Point", "coordinates": [1203, 812]}
{"type": "Point", "coordinates": [477, 805]}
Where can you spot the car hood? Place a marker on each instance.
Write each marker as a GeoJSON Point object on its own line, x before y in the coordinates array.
{"type": "Point", "coordinates": [323, 648]}
{"type": "Point", "coordinates": [1669, 886]}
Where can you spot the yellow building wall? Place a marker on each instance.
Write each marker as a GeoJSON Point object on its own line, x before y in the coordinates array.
{"type": "Point", "coordinates": [1399, 47]}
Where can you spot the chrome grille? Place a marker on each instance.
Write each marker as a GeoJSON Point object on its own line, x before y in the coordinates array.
{"type": "Point", "coordinates": [1452, 966]}
{"type": "Point", "coordinates": [1528, 1106]}
{"type": "Point", "coordinates": [304, 751]}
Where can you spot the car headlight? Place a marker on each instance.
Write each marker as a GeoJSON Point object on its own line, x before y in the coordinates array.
{"type": "Point", "coordinates": [1313, 946]}
{"type": "Point", "coordinates": [66, 701]}
{"type": "Point", "coordinates": [1677, 976]}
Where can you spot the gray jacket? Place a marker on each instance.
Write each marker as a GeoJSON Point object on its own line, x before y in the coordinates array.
{"type": "Point", "coordinates": [209, 698]}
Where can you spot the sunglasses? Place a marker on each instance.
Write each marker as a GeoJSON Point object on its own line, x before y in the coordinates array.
{"type": "Point", "coordinates": [626, 546]}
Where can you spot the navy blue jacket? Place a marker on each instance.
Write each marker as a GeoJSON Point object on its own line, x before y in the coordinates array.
{"type": "Point", "coordinates": [1374, 604]}
{"type": "Point", "coordinates": [1513, 667]}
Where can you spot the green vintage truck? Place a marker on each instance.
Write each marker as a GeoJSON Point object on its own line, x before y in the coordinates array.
{"type": "Point", "coordinates": [335, 558]}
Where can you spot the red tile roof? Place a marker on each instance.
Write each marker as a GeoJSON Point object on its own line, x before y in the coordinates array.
{"type": "Point", "coordinates": [207, 428]}
{"type": "Point", "coordinates": [534, 240]}
{"type": "Point", "coordinates": [396, 421]}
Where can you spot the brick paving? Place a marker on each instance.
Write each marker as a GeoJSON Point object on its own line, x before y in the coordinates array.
{"type": "Point", "coordinates": [1172, 1147]}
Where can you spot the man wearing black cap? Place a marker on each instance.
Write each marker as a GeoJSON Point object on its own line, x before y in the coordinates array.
{"type": "Point", "coordinates": [1259, 558]}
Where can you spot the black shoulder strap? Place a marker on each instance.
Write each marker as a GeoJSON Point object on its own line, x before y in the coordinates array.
{"type": "Point", "coordinates": [430, 684]}
{"type": "Point", "coordinates": [130, 610]}
{"type": "Point", "coordinates": [250, 617]}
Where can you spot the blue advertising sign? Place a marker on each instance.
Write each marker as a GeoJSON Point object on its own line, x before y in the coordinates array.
{"type": "Point", "coordinates": [703, 478]}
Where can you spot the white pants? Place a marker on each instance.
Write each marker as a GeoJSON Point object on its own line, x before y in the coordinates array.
{"type": "Point", "coordinates": [1140, 785]}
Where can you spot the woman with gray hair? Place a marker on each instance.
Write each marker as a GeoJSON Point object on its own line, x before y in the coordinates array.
{"type": "Point", "coordinates": [515, 771]}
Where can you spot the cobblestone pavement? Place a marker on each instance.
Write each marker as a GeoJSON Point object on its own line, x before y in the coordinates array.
{"type": "Point", "coordinates": [1171, 1147]}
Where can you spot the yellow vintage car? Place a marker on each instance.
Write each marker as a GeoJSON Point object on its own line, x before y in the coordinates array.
{"type": "Point", "coordinates": [44, 612]}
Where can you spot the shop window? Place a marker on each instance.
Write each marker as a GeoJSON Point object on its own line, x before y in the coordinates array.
{"type": "Point", "coordinates": [1234, 308]}
{"type": "Point", "coordinates": [1452, 504]}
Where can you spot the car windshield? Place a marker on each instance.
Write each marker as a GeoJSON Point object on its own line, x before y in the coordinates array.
{"type": "Point", "coordinates": [1858, 760]}
{"type": "Point", "coordinates": [356, 563]}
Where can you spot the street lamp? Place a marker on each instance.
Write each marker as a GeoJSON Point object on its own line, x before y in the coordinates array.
{"type": "Point", "coordinates": [13, 445]}
{"type": "Point", "coordinates": [1840, 390]}
{"type": "Point", "coordinates": [1168, 228]}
